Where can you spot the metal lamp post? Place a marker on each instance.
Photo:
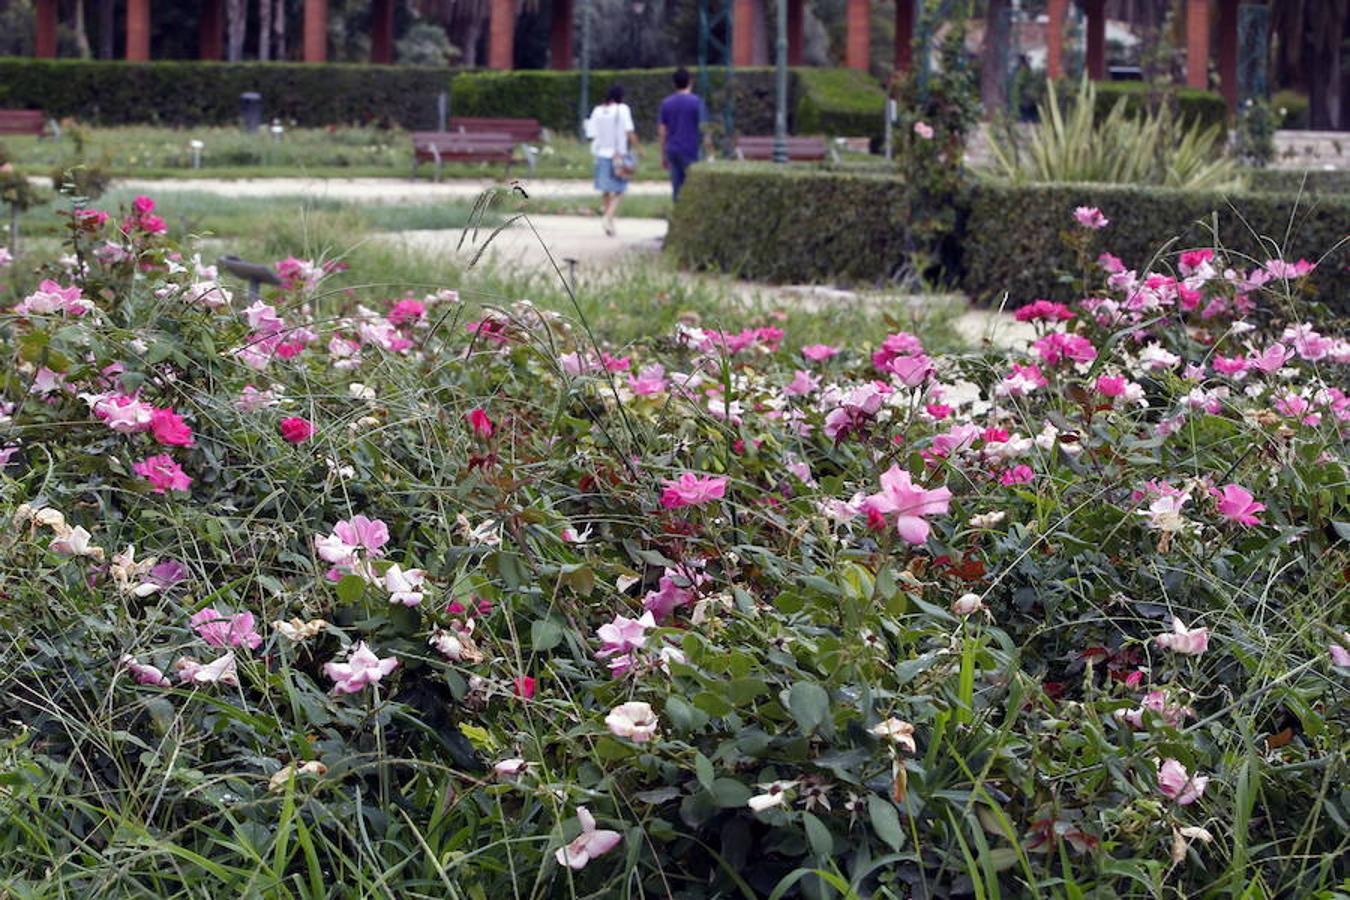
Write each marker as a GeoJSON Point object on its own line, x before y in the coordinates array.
{"type": "Point", "coordinates": [780, 149]}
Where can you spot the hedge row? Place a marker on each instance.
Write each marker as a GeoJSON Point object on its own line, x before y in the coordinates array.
{"type": "Point", "coordinates": [207, 93]}
{"type": "Point", "coordinates": [1311, 181]}
{"type": "Point", "coordinates": [1206, 107]}
{"type": "Point", "coordinates": [810, 225]}
{"type": "Point", "coordinates": [820, 101]}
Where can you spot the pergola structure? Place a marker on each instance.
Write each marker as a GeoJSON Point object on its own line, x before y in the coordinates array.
{"type": "Point", "coordinates": [749, 43]}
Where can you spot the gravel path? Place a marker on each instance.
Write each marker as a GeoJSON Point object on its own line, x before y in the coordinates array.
{"type": "Point", "coordinates": [377, 190]}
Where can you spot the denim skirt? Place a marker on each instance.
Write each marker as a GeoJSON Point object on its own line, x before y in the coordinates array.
{"type": "Point", "coordinates": [605, 179]}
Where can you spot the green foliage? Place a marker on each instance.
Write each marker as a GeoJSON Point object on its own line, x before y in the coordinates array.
{"type": "Point", "coordinates": [1292, 109]}
{"type": "Point", "coordinates": [1071, 144]}
{"type": "Point", "coordinates": [1292, 181]}
{"type": "Point", "coordinates": [804, 225]}
{"type": "Point", "coordinates": [1011, 240]}
{"type": "Point", "coordinates": [793, 224]}
{"type": "Point", "coordinates": [175, 92]}
{"type": "Point", "coordinates": [838, 103]}
{"type": "Point", "coordinates": [1256, 134]}
{"type": "Point", "coordinates": [1205, 108]}
{"type": "Point", "coordinates": [835, 102]}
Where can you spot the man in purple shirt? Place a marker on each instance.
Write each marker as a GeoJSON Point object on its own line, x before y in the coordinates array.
{"type": "Point", "coordinates": [680, 129]}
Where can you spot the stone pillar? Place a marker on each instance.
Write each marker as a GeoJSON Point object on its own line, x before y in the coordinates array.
{"type": "Point", "coordinates": [1197, 43]}
{"type": "Point", "coordinates": [1054, 38]}
{"type": "Point", "coordinates": [1228, 52]}
{"type": "Point", "coordinates": [904, 35]}
{"type": "Point", "coordinates": [210, 43]}
{"type": "Point", "coordinates": [796, 13]}
{"type": "Point", "coordinates": [138, 30]}
{"type": "Point", "coordinates": [316, 31]}
{"type": "Point", "coordinates": [560, 35]}
{"type": "Point", "coordinates": [382, 31]}
{"type": "Point", "coordinates": [1096, 39]}
{"type": "Point", "coordinates": [502, 34]}
{"type": "Point", "coordinates": [858, 45]}
{"type": "Point", "coordinates": [44, 40]}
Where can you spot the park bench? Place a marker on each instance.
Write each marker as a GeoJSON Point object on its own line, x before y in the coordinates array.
{"type": "Point", "coordinates": [522, 131]}
{"type": "Point", "coordinates": [440, 147]}
{"type": "Point", "coordinates": [23, 121]}
{"type": "Point", "coordinates": [800, 149]}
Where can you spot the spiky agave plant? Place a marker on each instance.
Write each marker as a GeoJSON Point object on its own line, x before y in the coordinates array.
{"type": "Point", "coordinates": [1069, 144]}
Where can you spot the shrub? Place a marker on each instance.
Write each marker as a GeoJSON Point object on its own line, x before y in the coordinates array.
{"type": "Point", "coordinates": [1011, 240]}
{"type": "Point", "coordinates": [1070, 144]}
{"type": "Point", "coordinates": [1203, 108]}
{"type": "Point", "coordinates": [371, 595]}
{"type": "Point", "coordinates": [838, 103]}
{"type": "Point", "coordinates": [833, 101]}
{"type": "Point", "coordinates": [1292, 108]}
{"type": "Point", "coordinates": [1290, 181]}
{"type": "Point", "coordinates": [804, 225]}
{"type": "Point", "coordinates": [207, 93]}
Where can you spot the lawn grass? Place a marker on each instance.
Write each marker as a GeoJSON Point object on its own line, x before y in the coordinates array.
{"type": "Point", "coordinates": [154, 152]}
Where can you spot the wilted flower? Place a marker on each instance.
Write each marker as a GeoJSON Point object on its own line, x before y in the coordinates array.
{"type": "Point", "coordinates": [775, 794]}
{"type": "Point", "coordinates": [277, 783]}
{"type": "Point", "coordinates": [144, 673]}
{"type": "Point", "coordinates": [223, 630]}
{"type": "Point", "coordinates": [76, 542]}
{"type": "Point", "coordinates": [404, 587]}
{"type": "Point", "coordinates": [1180, 639]}
{"type": "Point", "coordinates": [297, 630]}
{"type": "Point", "coordinates": [219, 671]}
{"type": "Point", "coordinates": [968, 605]}
{"type": "Point", "coordinates": [897, 731]}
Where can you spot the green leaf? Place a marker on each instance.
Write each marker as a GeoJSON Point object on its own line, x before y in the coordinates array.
{"type": "Point", "coordinates": [744, 690]}
{"type": "Point", "coordinates": [703, 769]}
{"type": "Point", "coordinates": [713, 704]}
{"type": "Point", "coordinates": [545, 634]}
{"type": "Point", "coordinates": [809, 704]}
{"type": "Point", "coordinates": [683, 716]}
{"type": "Point", "coordinates": [581, 579]}
{"type": "Point", "coordinates": [729, 793]}
{"type": "Point", "coordinates": [885, 821]}
{"type": "Point", "coordinates": [351, 589]}
{"type": "Point", "coordinates": [822, 842]}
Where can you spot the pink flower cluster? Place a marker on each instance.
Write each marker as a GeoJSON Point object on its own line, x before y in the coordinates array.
{"type": "Point", "coordinates": [52, 299]}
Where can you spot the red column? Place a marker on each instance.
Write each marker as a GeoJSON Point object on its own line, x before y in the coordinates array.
{"type": "Point", "coordinates": [1054, 38]}
{"type": "Point", "coordinates": [795, 16]}
{"type": "Point", "coordinates": [138, 30]}
{"type": "Point", "coordinates": [382, 31]}
{"type": "Point", "coordinates": [316, 31]}
{"type": "Point", "coordinates": [904, 35]}
{"type": "Point", "coordinates": [857, 47]}
{"type": "Point", "coordinates": [1228, 51]}
{"type": "Point", "coordinates": [209, 41]}
{"type": "Point", "coordinates": [560, 35]}
{"type": "Point", "coordinates": [502, 34]}
{"type": "Point", "coordinates": [743, 32]}
{"type": "Point", "coordinates": [1197, 43]}
{"type": "Point", "coordinates": [44, 41]}
{"type": "Point", "coordinates": [1096, 40]}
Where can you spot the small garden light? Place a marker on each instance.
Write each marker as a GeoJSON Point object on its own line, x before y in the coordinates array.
{"type": "Point", "coordinates": [196, 147]}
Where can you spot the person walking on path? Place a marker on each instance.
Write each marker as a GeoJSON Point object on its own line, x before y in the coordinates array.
{"type": "Point", "coordinates": [614, 144]}
{"type": "Point", "coordinates": [680, 130]}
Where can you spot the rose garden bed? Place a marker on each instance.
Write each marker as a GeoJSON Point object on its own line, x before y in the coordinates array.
{"type": "Point", "coordinates": [335, 593]}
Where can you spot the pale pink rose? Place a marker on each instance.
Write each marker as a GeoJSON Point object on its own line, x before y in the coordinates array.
{"type": "Point", "coordinates": [923, 130]}
{"type": "Point", "coordinates": [1090, 217]}
{"type": "Point", "coordinates": [1187, 641]}
{"type": "Point", "coordinates": [592, 842]}
{"type": "Point", "coordinates": [1236, 504]}
{"type": "Point", "coordinates": [635, 721]}
{"type": "Point", "coordinates": [819, 352]}
{"type": "Point", "coordinates": [362, 669]}
{"type": "Point", "coordinates": [145, 673]}
{"type": "Point", "coordinates": [224, 630]}
{"type": "Point", "coordinates": [624, 635]}
{"type": "Point", "coordinates": [1174, 782]}
{"type": "Point", "coordinates": [908, 503]}
{"type": "Point", "coordinates": [690, 490]}
{"type": "Point", "coordinates": [404, 585]}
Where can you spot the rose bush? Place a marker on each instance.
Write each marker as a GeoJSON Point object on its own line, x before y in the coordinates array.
{"type": "Point", "coordinates": [330, 594]}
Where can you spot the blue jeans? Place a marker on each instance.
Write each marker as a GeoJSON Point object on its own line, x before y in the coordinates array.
{"type": "Point", "coordinates": [679, 164]}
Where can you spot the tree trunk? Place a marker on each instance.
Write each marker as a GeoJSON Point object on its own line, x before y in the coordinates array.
{"type": "Point", "coordinates": [236, 25]}
{"type": "Point", "coordinates": [264, 29]}
{"type": "Point", "coordinates": [106, 30]}
{"type": "Point", "coordinates": [472, 31]}
{"type": "Point", "coordinates": [1324, 23]}
{"type": "Point", "coordinates": [994, 59]}
{"type": "Point", "coordinates": [279, 30]}
{"type": "Point", "coordinates": [81, 32]}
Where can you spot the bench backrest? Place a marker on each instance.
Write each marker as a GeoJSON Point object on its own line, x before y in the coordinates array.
{"type": "Point", "coordinates": [761, 147]}
{"type": "Point", "coordinates": [457, 141]}
{"type": "Point", "coordinates": [22, 121]}
{"type": "Point", "coordinates": [522, 130]}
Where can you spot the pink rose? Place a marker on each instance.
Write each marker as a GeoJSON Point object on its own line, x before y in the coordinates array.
{"type": "Point", "coordinates": [296, 429]}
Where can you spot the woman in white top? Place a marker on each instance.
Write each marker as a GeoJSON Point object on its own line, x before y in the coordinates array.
{"type": "Point", "coordinates": [614, 144]}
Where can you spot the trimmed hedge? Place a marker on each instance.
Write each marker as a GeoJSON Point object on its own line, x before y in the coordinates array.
{"type": "Point", "coordinates": [790, 224]}
{"type": "Point", "coordinates": [820, 101]}
{"type": "Point", "coordinates": [839, 103]}
{"type": "Point", "coordinates": [177, 92]}
{"type": "Point", "coordinates": [1194, 105]}
{"type": "Point", "coordinates": [810, 225]}
{"type": "Point", "coordinates": [1317, 181]}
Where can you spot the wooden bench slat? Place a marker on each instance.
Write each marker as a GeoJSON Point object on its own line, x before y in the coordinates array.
{"type": "Point", "coordinates": [23, 121]}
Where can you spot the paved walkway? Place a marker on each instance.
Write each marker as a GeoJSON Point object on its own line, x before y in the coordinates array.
{"type": "Point", "coordinates": [377, 190]}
